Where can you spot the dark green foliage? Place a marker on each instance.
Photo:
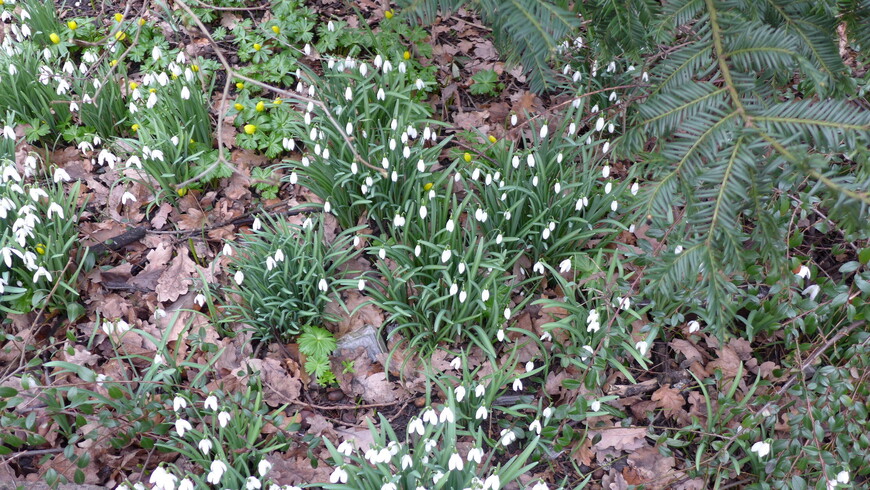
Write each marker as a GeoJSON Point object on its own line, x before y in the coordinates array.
{"type": "Point", "coordinates": [732, 130]}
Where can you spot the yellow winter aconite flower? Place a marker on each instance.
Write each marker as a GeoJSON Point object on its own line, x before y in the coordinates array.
{"type": "Point", "coordinates": [260, 106]}
{"type": "Point", "coordinates": [388, 14]}
{"type": "Point", "coordinates": [182, 192]}
{"type": "Point", "coordinates": [40, 249]}
{"type": "Point", "coordinates": [152, 90]}
{"type": "Point", "coordinates": [250, 129]}
{"type": "Point", "coordinates": [467, 157]}
{"type": "Point", "coordinates": [238, 106]}
{"type": "Point", "coordinates": [492, 139]}
{"type": "Point", "coordinates": [240, 85]}
{"type": "Point", "coordinates": [135, 127]}
{"type": "Point", "coordinates": [406, 55]}
{"type": "Point", "coordinates": [119, 17]}
{"type": "Point", "coordinates": [276, 29]}
{"type": "Point", "coordinates": [278, 101]}
{"type": "Point", "coordinates": [54, 37]}
{"type": "Point", "coordinates": [134, 85]}
{"type": "Point", "coordinates": [194, 68]}
{"type": "Point", "coordinates": [257, 47]}
{"type": "Point", "coordinates": [73, 25]}
{"type": "Point", "coordinates": [113, 62]}
{"type": "Point", "coordinates": [428, 186]}
{"type": "Point", "coordinates": [141, 22]}
{"type": "Point", "coordinates": [120, 36]}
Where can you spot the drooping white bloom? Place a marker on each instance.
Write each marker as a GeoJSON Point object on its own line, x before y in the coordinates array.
{"type": "Point", "coordinates": [338, 476]}
{"type": "Point", "coordinates": [535, 426]}
{"type": "Point", "coordinates": [492, 482]}
{"type": "Point", "coordinates": [543, 132]}
{"type": "Point", "coordinates": [456, 363]}
{"type": "Point", "coordinates": [803, 272]}
{"type": "Point", "coordinates": [224, 419]}
{"type": "Point", "coordinates": [239, 277]}
{"type": "Point", "coordinates": [455, 462]}
{"type": "Point", "coordinates": [459, 392]}
{"type": "Point", "coordinates": [178, 403]}
{"type": "Point", "coordinates": [322, 285]}
{"type": "Point", "coordinates": [507, 313]}
{"type": "Point", "coordinates": [507, 437]}
{"type": "Point", "coordinates": [565, 266]}
{"type": "Point", "coordinates": [253, 483]}
{"type": "Point", "coordinates": [205, 446]}
{"type": "Point", "coordinates": [481, 413]}
{"type": "Point", "coordinates": [500, 335]}
{"type": "Point", "coordinates": [694, 326]}
{"type": "Point", "coordinates": [381, 95]}
{"type": "Point", "coordinates": [162, 479]}
{"type": "Point", "coordinates": [517, 385]}
{"type": "Point", "coordinates": [642, 347]}
{"type": "Point", "coordinates": [761, 448]}
{"type": "Point", "coordinates": [595, 406]}
{"type": "Point", "coordinates": [185, 93]}
{"type": "Point", "coordinates": [182, 426]}
{"type": "Point", "coordinates": [263, 467]}
{"type": "Point", "coordinates": [216, 472]}
{"type": "Point", "coordinates": [416, 426]}
{"type": "Point", "coordinates": [445, 255]}
{"type": "Point", "coordinates": [446, 415]}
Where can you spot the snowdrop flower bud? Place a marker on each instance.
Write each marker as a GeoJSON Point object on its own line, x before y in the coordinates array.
{"type": "Point", "coordinates": [605, 147]}
{"type": "Point", "coordinates": [543, 133]}
{"type": "Point", "coordinates": [484, 295]}
{"type": "Point", "coordinates": [454, 289]}
{"type": "Point", "coordinates": [420, 86]}
{"type": "Point", "coordinates": [614, 205]}
{"type": "Point", "coordinates": [812, 291]}
{"type": "Point", "coordinates": [500, 335]}
{"type": "Point", "coordinates": [608, 187]}
{"type": "Point", "coordinates": [417, 251]}
{"type": "Point", "coordinates": [513, 119]}
{"type": "Point", "coordinates": [379, 61]}
{"type": "Point", "coordinates": [595, 406]}
{"type": "Point", "coordinates": [239, 277]}
{"type": "Point", "coordinates": [694, 326]}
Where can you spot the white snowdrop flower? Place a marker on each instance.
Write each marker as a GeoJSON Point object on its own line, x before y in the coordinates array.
{"type": "Point", "coordinates": [462, 296]}
{"type": "Point", "coordinates": [239, 277]}
{"type": "Point", "coordinates": [481, 215]}
{"type": "Point", "coordinates": [257, 224]}
{"type": "Point", "coordinates": [339, 475]}
{"type": "Point", "coordinates": [518, 385]}
{"type": "Point", "coordinates": [394, 176]}
{"type": "Point", "coordinates": [210, 403]}
{"type": "Point", "coordinates": [577, 76]}
{"type": "Point", "coordinates": [461, 267]}
{"type": "Point", "coordinates": [178, 403]}
{"type": "Point", "coordinates": [318, 150]}
{"type": "Point", "coordinates": [398, 221]}
{"type": "Point", "coordinates": [642, 347]}
{"type": "Point", "coordinates": [227, 250]}
{"type": "Point", "coordinates": [417, 250]}
{"type": "Point", "coordinates": [322, 285]}
{"type": "Point", "coordinates": [644, 77]}
{"type": "Point", "coordinates": [307, 118]}
{"type": "Point", "coordinates": [175, 140]}
{"type": "Point", "coordinates": [614, 205]}
{"type": "Point", "coordinates": [513, 119]}
{"type": "Point", "coordinates": [530, 366]}
{"type": "Point", "coordinates": [456, 363]}
{"type": "Point", "coordinates": [843, 477]}
{"type": "Point", "coordinates": [182, 426]}
{"type": "Point", "coordinates": [406, 152]}
{"type": "Point", "coordinates": [455, 462]}
{"type": "Point", "coordinates": [599, 124]}
{"type": "Point", "coordinates": [694, 326]}
{"type": "Point", "coordinates": [634, 188]}
{"type": "Point", "coordinates": [605, 147]}
{"type": "Point", "coordinates": [507, 313]}
{"type": "Point", "coordinates": [608, 187]}
{"type": "Point", "coordinates": [420, 86]}
{"type": "Point", "coordinates": [565, 266]}
{"type": "Point", "coordinates": [403, 67]}
{"type": "Point", "coordinates": [543, 132]}
{"type": "Point", "coordinates": [446, 415]}
{"type": "Point", "coordinates": [162, 479]}
{"type": "Point", "coordinates": [270, 263]}
{"type": "Point", "coordinates": [535, 427]}
{"type": "Point", "coordinates": [407, 461]}
{"type": "Point", "coordinates": [288, 143]}
{"type": "Point", "coordinates": [484, 295]}
{"type": "Point", "coordinates": [163, 79]}
{"type": "Point", "coordinates": [812, 291]}
{"type": "Point", "coordinates": [761, 448]}
{"type": "Point", "coordinates": [205, 446]}
{"type": "Point", "coordinates": [348, 129]}
{"type": "Point", "coordinates": [12, 70]}
{"type": "Point", "coordinates": [381, 95]}
{"type": "Point", "coordinates": [327, 207]}
{"type": "Point", "coordinates": [499, 238]}
{"type": "Point", "coordinates": [605, 171]}
{"type": "Point", "coordinates": [678, 249]}
{"type": "Point", "coordinates": [507, 215]}
{"type": "Point", "coordinates": [453, 289]}
{"type": "Point", "coordinates": [500, 335]}
{"type": "Point", "coordinates": [612, 96]}
{"type": "Point", "coordinates": [253, 483]}
{"type": "Point", "coordinates": [382, 253]}
{"type": "Point", "coordinates": [507, 437]}
{"type": "Point", "coordinates": [623, 303]}
{"type": "Point", "coordinates": [185, 93]}
{"type": "Point", "coordinates": [545, 234]}
{"type": "Point", "coordinates": [492, 482]}
{"type": "Point", "coordinates": [152, 100]}
{"type": "Point", "coordinates": [416, 426]}
{"type": "Point", "coordinates": [631, 228]}
{"type": "Point", "coordinates": [54, 208]}
{"type": "Point", "coordinates": [379, 61]}
{"type": "Point", "coordinates": [594, 109]}
{"type": "Point", "coordinates": [157, 155]}
{"type": "Point", "coordinates": [538, 268]}
{"type": "Point", "coordinates": [128, 196]}
{"type": "Point", "coordinates": [224, 419]}
{"type": "Point", "coordinates": [445, 255]}
{"type": "Point", "coordinates": [421, 165]}
{"type": "Point", "coordinates": [535, 181]}
{"type": "Point", "coordinates": [803, 272]}
{"type": "Point", "coordinates": [481, 413]}
{"type": "Point", "coordinates": [200, 299]}
{"type": "Point", "coordinates": [611, 128]}
{"type": "Point", "coordinates": [41, 272]}
{"type": "Point", "coordinates": [60, 175]}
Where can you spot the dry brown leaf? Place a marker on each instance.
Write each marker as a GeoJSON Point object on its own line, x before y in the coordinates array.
{"type": "Point", "coordinates": [621, 438]}
{"type": "Point", "coordinates": [193, 219]}
{"type": "Point", "coordinates": [687, 349]}
{"type": "Point", "coordinates": [177, 278]}
{"type": "Point", "coordinates": [670, 400]}
{"type": "Point", "coordinates": [728, 362]}
{"type": "Point", "coordinates": [648, 467]}
{"type": "Point", "coordinates": [80, 356]}
{"type": "Point", "coordinates": [278, 387]}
